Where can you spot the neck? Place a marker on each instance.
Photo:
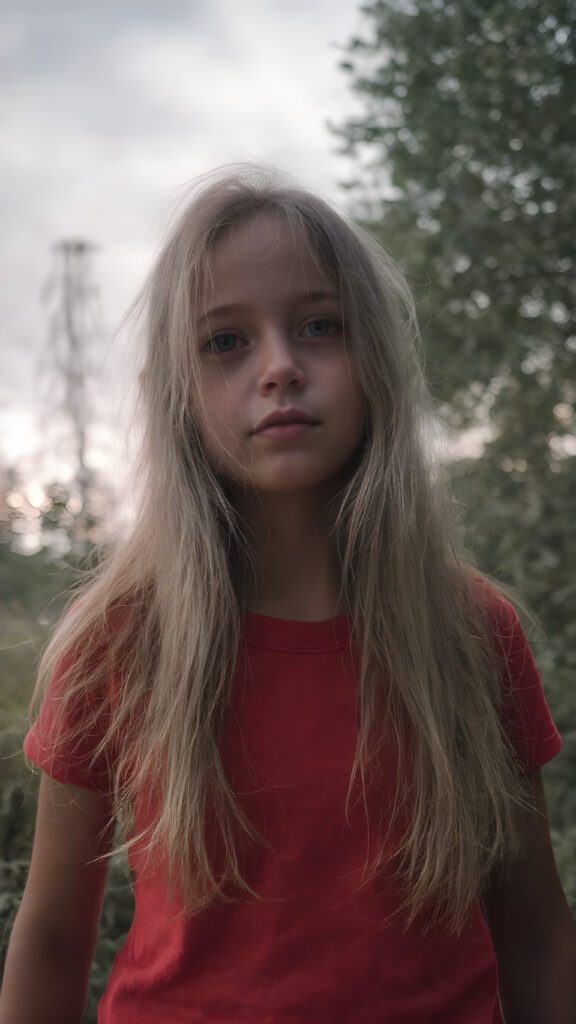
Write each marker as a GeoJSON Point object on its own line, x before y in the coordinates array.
{"type": "Point", "coordinates": [298, 571]}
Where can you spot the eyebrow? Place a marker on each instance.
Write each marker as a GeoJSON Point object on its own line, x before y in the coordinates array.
{"type": "Point", "coordinates": [236, 307]}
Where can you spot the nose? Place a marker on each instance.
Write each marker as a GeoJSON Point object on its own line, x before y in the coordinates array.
{"type": "Point", "coordinates": [279, 367]}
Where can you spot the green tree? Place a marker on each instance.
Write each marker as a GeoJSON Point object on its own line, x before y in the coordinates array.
{"type": "Point", "coordinates": [33, 591]}
{"type": "Point", "coordinates": [469, 117]}
{"type": "Point", "coordinates": [465, 148]}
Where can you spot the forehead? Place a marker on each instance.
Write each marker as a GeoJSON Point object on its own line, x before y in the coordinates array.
{"type": "Point", "coordinates": [265, 253]}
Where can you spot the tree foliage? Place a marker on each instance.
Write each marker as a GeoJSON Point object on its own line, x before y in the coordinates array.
{"type": "Point", "coordinates": [465, 148]}
{"type": "Point", "coordinates": [33, 592]}
{"type": "Point", "coordinates": [469, 114]}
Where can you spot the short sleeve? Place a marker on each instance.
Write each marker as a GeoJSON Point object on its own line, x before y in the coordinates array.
{"type": "Point", "coordinates": [527, 717]}
{"type": "Point", "coordinates": [65, 742]}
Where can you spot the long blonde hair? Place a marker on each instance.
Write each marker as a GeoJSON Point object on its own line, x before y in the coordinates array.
{"type": "Point", "coordinates": [165, 606]}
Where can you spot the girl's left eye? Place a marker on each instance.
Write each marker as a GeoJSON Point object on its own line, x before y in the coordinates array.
{"type": "Point", "coordinates": [322, 328]}
{"type": "Point", "coordinates": [222, 343]}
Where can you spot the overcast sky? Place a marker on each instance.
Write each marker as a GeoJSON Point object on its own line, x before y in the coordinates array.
{"type": "Point", "coordinates": [111, 106]}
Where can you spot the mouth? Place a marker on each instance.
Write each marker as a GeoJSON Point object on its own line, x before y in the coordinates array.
{"type": "Point", "coordinates": [285, 431]}
{"type": "Point", "coordinates": [284, 423]}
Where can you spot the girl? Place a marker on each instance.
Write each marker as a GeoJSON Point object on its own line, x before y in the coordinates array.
{"type": "Point", "coordinates": [320, 730]}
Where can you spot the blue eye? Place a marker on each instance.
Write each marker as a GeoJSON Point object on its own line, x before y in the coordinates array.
{"type": "Point", "coordinates": [222, 343]}
{"type": "Point", "coordinates": [322, 328]}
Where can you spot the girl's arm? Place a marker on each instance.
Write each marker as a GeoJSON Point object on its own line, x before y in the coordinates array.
{"type": "Point", "coordinates": [54, 934]}
{"type": "Point", "coordinates": [533, 931]}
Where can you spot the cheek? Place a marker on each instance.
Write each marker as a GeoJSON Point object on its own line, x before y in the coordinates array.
{"type": "Point", "coordinates": [352, 401]}
{"type": "Point", "coordinates": [211, 404]}
{"type": "Point", "coordinates": [217, 419]}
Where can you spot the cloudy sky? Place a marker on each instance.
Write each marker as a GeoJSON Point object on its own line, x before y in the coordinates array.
{"type": "Point", "coordinates": [110, 107]}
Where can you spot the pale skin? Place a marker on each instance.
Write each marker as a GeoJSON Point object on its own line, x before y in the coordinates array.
{"type": "Point", "coordinates": [533, 931]}
{"type": "Point", "coordinates": [273, 340]}
{"type": "Point", "coordinates": [283, 489]}
{"type": "Point", "coordinates": [54, 935]}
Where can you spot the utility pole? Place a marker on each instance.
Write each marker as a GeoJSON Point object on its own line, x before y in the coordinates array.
{"type": "Point", "coordinates": [67, 366]}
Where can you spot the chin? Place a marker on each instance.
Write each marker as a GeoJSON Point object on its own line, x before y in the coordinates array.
{"type": "Point", "coordinates": [305, 485]}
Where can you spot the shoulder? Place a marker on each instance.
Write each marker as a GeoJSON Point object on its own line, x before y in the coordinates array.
{"type": "Point", "coordinates": [89, 642]}
{"type": "Point", "coordinates": [490, 600]}
{"type": "Point", "coordinates": [502, 624]}
{"type": "Point", "coordinates": [529, 724]}
{"type": "Point", "coordinates": [69, 734]}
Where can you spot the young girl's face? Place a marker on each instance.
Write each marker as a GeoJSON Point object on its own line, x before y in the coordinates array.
{"type": "Point", "coordinates": [278, 404]}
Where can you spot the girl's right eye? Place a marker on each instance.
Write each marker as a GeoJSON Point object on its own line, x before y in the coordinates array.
{"type": "Point", "coordinates": [219, 344]}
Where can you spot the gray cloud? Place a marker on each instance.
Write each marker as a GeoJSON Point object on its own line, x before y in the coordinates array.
{"type": "Point", "coordinates": [112, 106]}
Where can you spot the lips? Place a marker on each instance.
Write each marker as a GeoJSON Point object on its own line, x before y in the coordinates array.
{"type": "Point", "coordinates": [284, 417]}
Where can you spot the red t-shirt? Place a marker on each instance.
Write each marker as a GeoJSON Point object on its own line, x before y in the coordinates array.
{"type": "Point", "coordinates": [321, 944]}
